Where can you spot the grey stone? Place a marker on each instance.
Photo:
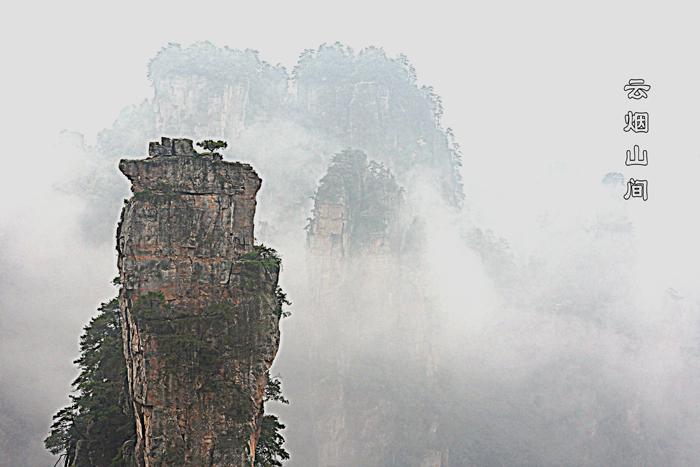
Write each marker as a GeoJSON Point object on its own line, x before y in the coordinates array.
{"type": "Point", "coordinates": [183, 147]}
{"type": "Point", "coordinates": [197, 352]}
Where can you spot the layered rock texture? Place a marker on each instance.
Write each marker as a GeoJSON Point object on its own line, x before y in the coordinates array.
{"type": "Point", "coordinates": [199, 304]}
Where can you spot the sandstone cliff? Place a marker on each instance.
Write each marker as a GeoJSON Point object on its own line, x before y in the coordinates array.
{"type": "Point", "coordinates": [213, 93]}
{"type": "Point", "coordinates": [192, 103]}
{"type": "Point", "coordinates": [199, 305]}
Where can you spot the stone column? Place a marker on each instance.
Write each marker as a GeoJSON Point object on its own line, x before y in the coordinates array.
{"type": "Point", "coordinates": [201, 317]}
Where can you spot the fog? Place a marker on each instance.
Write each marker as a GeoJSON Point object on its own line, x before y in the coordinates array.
{"type": "Point", "coordinates": [543, 321]}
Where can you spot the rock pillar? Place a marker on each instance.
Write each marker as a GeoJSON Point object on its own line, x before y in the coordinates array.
{"type": "Point", "coordinates": [201, 316]}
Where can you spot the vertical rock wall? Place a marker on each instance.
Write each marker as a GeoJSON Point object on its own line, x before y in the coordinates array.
{"type": "Point", "coordinates": [203, 107]}
{"type": "Point", "coordinates": [201, 317]}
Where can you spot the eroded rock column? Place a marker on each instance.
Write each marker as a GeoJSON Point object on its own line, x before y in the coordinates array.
{"type": "Point", "coordinates": [201, 316]}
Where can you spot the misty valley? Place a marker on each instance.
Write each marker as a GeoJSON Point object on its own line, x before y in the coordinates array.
{"type": "Point", "coordinates": [302, 284]}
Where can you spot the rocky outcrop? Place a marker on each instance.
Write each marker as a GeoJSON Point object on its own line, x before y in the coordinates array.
{"type": "Point", "coordinates": [356, 209]}
{"type": "Point", "coordinates": [200, 309]}
{"type": "Point", "coordinates": [371, 102]}
{"type": "Point", "coordinates": [213, 93]}
{"type": "Point", "coordinates": [208, 108]}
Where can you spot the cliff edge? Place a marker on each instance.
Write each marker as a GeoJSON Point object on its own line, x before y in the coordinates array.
{"type": "Point", "coordinates": [199, 307]}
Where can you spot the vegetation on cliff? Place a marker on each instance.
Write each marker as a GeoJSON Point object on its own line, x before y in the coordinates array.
{"type": "Point", "coordinates": [100, 419]}
{"type": "Point", "coordinates": [93, 430]}
{"type": "Point", "coordinates": [367, 191]}
{"type": "Point", "coordinates": [211, 145]}
{"type": "Point", "coordinates": [264, 256]}
{"type": "Point", "coordinates": [371, 102]}
{"type": "Point", "coordinates": [269, 451]}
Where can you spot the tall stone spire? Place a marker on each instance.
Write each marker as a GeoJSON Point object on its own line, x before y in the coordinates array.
{"type": "Point", "coordinates": [201, 314]}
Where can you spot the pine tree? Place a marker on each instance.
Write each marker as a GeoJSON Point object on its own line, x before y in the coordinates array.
{"type": "Point", "coordinates": [99, 419]}
{"type": "Point", "coordinates": [269, 451]}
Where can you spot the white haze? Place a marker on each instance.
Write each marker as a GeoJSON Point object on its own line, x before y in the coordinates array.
{"type": "Point", "coordinates": [533, 92]}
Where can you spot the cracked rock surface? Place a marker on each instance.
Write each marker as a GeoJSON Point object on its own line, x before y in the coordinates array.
{"type": "Point", "coordinates": [201, 317]}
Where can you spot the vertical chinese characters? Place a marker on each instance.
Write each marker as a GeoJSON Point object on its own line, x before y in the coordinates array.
{"type": "Point", "coordinates": [636, 122]}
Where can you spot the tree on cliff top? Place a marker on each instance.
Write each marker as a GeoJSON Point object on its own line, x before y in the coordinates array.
{"type": "Point", "coordinates": [367, 189]}
{"type": "Point", "coordinates": [211, 145]}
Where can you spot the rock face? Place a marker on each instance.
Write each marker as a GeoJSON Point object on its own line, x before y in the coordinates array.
{"type": "Point", "coordinates": [199, 304]}
{"type": "Point", "coordinates": [355, 209]}
{"type": "Point", "coordinates": [194, 103]}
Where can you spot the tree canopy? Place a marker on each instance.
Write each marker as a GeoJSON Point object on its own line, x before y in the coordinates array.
{"type": "Point", "coordinates": [99, 419]}
{"type": "Point", "coordinates": [211, 145]}
{"type": "Point", "coordinates": [367, 189]}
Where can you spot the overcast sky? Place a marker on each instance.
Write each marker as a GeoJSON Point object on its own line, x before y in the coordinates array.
{"type": "Point", "coordinates": [533, 92]}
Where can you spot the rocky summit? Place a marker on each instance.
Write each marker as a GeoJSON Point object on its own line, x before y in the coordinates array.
{"type": "Point", "coordinates": [199, 305]}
